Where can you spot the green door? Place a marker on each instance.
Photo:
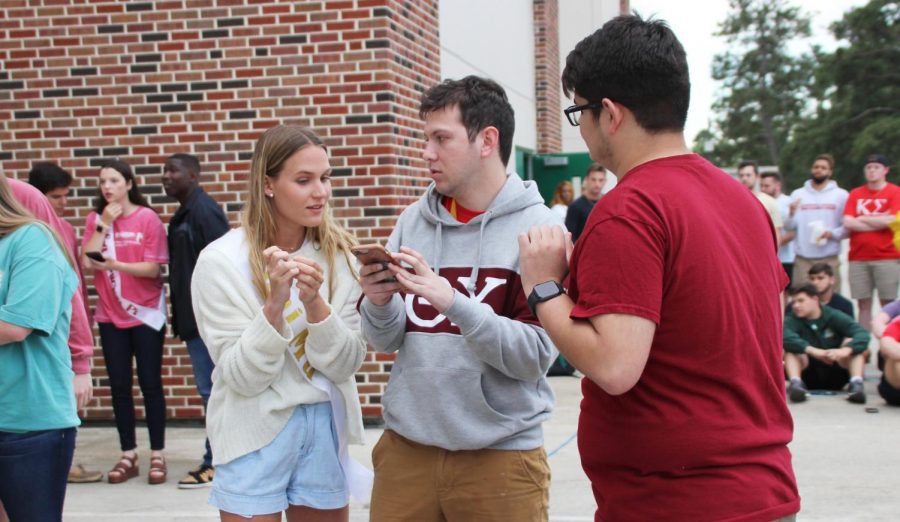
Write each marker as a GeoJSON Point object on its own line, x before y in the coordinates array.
{"type": "Point", "coordinates": [549, 169]}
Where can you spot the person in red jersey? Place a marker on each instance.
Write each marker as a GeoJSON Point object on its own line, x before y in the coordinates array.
{"type": "Point", "coordinates": [672, 310]}
{"type": "Point", "coordinates": [874, 260]}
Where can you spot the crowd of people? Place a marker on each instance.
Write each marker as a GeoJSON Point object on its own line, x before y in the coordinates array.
{"type": "Point", "coordinates": [826, 346]}
{"type": "Point", "coordinates": [482, 287]}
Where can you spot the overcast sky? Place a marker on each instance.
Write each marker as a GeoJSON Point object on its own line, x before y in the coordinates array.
{"type": "Point", "coordinates": [695, 22]}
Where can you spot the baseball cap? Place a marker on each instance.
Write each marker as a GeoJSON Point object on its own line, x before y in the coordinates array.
{"type": "Point", "coordinates": [877, 158]}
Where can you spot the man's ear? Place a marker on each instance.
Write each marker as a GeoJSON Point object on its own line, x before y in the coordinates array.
{"type": "Point", "coordinates": [614, 113]}
{"type": "Point", "coordinates": [490, 141]}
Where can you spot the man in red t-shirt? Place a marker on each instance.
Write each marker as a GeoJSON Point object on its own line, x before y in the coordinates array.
{"type": "Point", "coordinates": [874, 260]}
{"type": "Point", "coordinates": [673, 304]}
{"type": "Point", "coordinates": [889, 387]}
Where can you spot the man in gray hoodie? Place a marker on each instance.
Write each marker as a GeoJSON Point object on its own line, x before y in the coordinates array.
{"type": "Point", "coordinates": [467, 395]}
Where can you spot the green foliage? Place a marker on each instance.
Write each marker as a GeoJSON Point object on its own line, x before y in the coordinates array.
{"type": "Point", "coordinates": [764, 88]}
{"type": "Point", "coordinates": [858, 90]}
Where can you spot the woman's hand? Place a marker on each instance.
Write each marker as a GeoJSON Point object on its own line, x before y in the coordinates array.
{"type": "Point", "coordinates": [111, 213]}
{"type": "Point", "coordinates": [108, 264]}
{"type": "Point", "coordinates": [282, 271]}
{"type": "Point", "coordinates": [308, 283]}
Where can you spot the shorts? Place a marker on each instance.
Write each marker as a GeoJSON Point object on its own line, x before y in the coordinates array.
{"type": "Point", "coordinates": [817, 376]}
{"type": "Point", "coordinates": [867, 276]}
{"type": "Point", "coordinates": [890, 394]}
{"type": "Point", "coordinates": [429, 484]}
{"type": "Point", "coordinates": [300, 467]}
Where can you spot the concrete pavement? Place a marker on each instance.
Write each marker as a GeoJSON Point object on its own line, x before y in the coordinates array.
{"type": "Point", "coordinates": [847, 463]}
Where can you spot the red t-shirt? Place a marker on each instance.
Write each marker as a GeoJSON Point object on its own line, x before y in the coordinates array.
{"type": "Point", "coordinates": [863, 201]}
{"type": "Point", "coordinates": [459, 212]}
{"type": "Point", "coordinates": [703, 434]}
{"type": "Point", "coordinates": [139, 237]}
{"type": "Point", "coordinates": [892, 330]}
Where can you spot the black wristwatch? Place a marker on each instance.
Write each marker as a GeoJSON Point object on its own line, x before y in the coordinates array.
{"type": "Point", "coordinates": [543, 292]}
{"type": "Point", "coordinates": [100, 227]}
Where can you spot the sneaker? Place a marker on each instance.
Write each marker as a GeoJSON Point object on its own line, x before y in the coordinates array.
{"type": "Point", "coordinates": [797, 391]}
{"type": "Point", "coordinates": [199, 478]}
{"type": "Point", "coordinates": [82, 475]}
{"type": "Point", "coordinates": [856, 393]}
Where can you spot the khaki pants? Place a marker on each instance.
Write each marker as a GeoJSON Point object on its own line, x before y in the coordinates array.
{"type": "Point", "coordinates": [419, 483]}
{"type": "Point", "coordinates": [803, 264]}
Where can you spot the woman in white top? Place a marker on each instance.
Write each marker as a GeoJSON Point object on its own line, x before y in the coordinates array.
{"type": "Point", "coordinates": [275, 302]}
{"type": "Point", "coordinates": [562, 198]}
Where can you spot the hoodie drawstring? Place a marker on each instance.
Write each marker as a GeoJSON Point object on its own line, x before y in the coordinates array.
{"type": "Point", "coordinates": [437, 249]}
{"type": "Point", "coordinates": [472, 280]}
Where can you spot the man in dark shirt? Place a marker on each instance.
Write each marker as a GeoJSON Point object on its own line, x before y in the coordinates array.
{"type": "Point", "coordinates": [591, 192]}
{"type": "Point", "coordinates": [821, 275]}
{"type": "Point", "coordinates": [198, 222]}
{"type": "Point", "coordinates": [815, 354]}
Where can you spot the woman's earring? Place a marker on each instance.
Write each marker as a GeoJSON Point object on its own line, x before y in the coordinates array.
{"type": "Point", "coordinates": [270, 195]}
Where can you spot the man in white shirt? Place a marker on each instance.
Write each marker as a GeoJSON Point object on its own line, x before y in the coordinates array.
{"type": "Point", "coordinates": [770, 183]}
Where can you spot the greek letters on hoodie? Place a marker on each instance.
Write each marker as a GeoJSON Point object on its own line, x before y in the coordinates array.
{"type": "Point", "coordinates": [473, 377]}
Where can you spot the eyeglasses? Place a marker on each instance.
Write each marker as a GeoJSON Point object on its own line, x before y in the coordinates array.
{"type": "Point", "coordinates": [573, 113]}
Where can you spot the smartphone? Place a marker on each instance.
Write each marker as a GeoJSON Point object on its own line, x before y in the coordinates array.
{"type": "Point", "coordinates": [371, 254]}
{"type": "Point", "coordinates": [96, 256]}
{"type": "Point", "coordinates": [374, 254]}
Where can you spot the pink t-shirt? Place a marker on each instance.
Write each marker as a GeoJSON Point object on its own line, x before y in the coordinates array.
{"type": "Point", "coordinates": [138, 237]}
{"type": "Point", "coordinates": [81, 340]}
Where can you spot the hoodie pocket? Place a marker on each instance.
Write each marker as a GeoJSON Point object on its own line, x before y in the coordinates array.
{"type": "Point", "coordinates": [444, 407]}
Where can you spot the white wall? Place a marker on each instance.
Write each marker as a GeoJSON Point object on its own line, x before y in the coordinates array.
{"type": "Point", "coordinates": [577, 20]}
{"type": "Point", "coordinates": [494, 39]}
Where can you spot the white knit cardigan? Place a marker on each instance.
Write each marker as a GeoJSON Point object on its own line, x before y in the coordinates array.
{"type": "Point", "coordinates": [256, 386]}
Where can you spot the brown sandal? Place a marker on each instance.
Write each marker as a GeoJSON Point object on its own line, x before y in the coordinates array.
{"type": "Point", "coordinates": [158, 470]}
{"type": "Point", "coordinates": [125, 469]}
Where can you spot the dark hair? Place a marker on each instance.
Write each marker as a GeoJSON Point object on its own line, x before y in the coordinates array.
{"type": "Point", "coordinates": [771, 174]}
{"type": "Point", "coordinates": [821, 268]}
{"type": "Point", "coordinates": [808, 289]}
{"type": "Point", "coordinates": [748, 163]}
{"type": "Point", "coordinates": [134, 195]}
{"type": "Point", "coordinates": [828, 158]}
{"type": "Point", "coordinates": [482, 103]}
{"type": "Point", "coordinates": [594, 167]}
{"type": "Point", "coordinates": [637, 63]}
{"type": "Point", "coordinates": [188, 160]}
{"type": "Point", "coordinates": [46, 176]}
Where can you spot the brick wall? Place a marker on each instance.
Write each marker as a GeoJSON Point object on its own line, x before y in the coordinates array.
{"type": "Point", "coordinates": [546, 76]}
{"type": "Point", "coordinates": [143, 80]}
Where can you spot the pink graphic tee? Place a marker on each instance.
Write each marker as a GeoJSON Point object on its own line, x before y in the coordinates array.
{"type": "Point", "coordinates": [139, 237]}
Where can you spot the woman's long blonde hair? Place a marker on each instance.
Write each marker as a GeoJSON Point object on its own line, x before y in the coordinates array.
{"type": "Point", "coordinates": [273, 148]}
{"type": "Point", "coordinates": [14, 215]}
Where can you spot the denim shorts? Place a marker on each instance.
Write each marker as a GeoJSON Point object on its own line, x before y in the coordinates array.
{"type": "Point", "coordinates": [300, 468]}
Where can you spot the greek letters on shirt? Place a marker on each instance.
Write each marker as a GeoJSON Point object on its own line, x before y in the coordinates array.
{"type": "Point", "coordinates": [499, 288]}
{"type": "Point", "coordinates": [872, 207]}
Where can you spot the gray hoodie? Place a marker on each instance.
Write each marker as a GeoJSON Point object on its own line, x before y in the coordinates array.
{"type": "Point", "coordinates": [474, 377]}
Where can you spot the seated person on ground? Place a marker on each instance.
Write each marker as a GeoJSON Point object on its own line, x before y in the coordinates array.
{"type": "Point", "coordinates": [821, 275]}
{"type": "Point", "coordinates": [889, 387]}
{"type": "Point", "coordinates": [815, 355]}
{"type": "Point", "coordinates": [887, 314]}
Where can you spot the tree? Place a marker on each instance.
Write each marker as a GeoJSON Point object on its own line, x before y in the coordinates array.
{"type": "Point", "coordinates": [858, 88]}
{"type": "Point", "coordinates": [764, 87]}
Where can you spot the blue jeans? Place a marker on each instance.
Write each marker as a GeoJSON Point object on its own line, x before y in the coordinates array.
{"type": "Point", "coordinates": [203, 368]}
{"type": "Point", "coordinates": [34, 467]}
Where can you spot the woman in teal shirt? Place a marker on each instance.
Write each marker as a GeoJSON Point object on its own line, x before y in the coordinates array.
{"type": "Point", "coordinates": [37, 404]}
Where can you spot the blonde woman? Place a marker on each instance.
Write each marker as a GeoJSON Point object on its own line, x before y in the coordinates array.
{"type": "Point", "coordinates": [562, 198]}
{"type": "Point", "coordinates": [37, 402]}
{"type": "Point", "coordinates": [275, 302]}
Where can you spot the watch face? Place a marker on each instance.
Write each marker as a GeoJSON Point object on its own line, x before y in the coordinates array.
{"type": "Point", "coordinates": [547, 289]}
